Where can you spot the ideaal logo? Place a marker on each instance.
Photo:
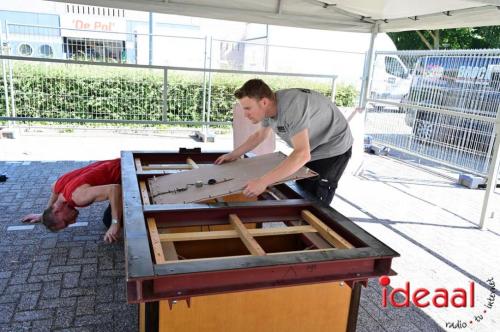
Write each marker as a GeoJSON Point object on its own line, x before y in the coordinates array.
{"type": "Point", "coordinates": [439, 298]}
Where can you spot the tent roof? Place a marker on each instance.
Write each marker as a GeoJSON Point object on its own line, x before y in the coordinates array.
{"type": "Point", "coordinates": [341, 15]}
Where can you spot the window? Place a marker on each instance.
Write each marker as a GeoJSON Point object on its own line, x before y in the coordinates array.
{"type": "Point", "coordinates": [25, 49]}
{"type": "Point", "coordinates": [394, 67]}
{"type": "Point", "coordinates": [46, 51]}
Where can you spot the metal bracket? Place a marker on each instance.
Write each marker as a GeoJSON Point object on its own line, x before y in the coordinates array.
{"type": "Point", "coordinates": [171, 302]}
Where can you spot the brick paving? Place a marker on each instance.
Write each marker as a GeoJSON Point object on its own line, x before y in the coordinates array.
{"type": "Point", "coordinates": [66, 281]}
{"type": "Point", "coordinates": [72, 281]}
{"type": "Point", "coordinates": [431, 221]}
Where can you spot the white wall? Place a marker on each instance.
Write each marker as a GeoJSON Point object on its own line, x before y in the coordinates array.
{"type": "Point", "coordinates": [347, 63]}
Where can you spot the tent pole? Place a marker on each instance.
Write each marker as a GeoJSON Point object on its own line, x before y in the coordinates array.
{"type": "Point", "coordinates": [486, 212]}
{"type": "Point", "coordinates": [367, 71]}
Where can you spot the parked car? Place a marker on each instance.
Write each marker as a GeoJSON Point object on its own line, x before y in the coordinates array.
{"type": "Point", "coordinates": [456, 84]}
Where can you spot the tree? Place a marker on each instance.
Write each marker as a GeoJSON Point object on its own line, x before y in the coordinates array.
{"type": "Point", "coordinates": [463, 38]}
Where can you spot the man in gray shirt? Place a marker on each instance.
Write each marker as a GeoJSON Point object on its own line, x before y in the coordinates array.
{"type": "Point", "coordinates": [309, 122]}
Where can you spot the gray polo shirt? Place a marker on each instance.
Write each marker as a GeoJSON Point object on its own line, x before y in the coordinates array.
{"type": "Point", "coordinates": [297, 109]}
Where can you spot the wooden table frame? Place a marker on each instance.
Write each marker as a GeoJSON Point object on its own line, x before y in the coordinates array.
{"type": "Point", "coordinates": [350, 254]}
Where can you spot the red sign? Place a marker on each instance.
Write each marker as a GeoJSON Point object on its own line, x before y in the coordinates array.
{"type": "Point", "coordinates": [94, 25]}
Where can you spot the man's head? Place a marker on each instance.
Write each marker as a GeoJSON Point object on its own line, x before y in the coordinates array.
{"type": "Point", "coordinates": [59, 216]}
{"type": "Point", "coordinates": [257, 100]}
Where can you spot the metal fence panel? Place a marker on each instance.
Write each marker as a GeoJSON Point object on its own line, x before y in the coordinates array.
{"type": "Point", "coordinates": [131, 78]}
{"type": "Point", "coordinates": [4, 99]}
{"type": "Point", "coordinates": [77, 91]}
{"type": "Point", "coordinates": [439, 105]}
{"type": "Point", "coordinates": [67, 91]}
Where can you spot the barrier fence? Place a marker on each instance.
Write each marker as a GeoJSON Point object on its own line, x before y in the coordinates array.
{"type": "Point", "coordinates": [439, 105]}
{"type": "Point", "coordinates": [35, 89]}
{"type": "Point", "coordinates": [67, 75]}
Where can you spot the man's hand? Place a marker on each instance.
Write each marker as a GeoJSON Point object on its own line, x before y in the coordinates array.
{"type": "Point", "coordinates": [113, 233]}
{"type": "Point", "coordinates": [254, 188]}
{"type": "Point", "coordinates": [32, 218]}
{"type": "Point", "coordinates": [226, 158]}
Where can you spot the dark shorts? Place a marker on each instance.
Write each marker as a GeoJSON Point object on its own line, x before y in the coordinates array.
{"type": "Point", "coordinates": [330, 170]}
{"type": "Point", "coordinates": [106, 217]}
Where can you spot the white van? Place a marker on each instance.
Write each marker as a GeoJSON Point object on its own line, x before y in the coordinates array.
{"type": "Point", "coordinates": [391, 78]}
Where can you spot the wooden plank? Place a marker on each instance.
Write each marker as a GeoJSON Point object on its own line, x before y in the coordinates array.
{"type": "Point", "coordinates": [237, 198]}
{"type": "Point", "coordinates": [240, 256]}
{"type": "Point", "coordinates": [230, 178]}
{"type": "Point", "coordinates": [281, 230]}
{"type": "Point", "coordinates": [228, 234]}
{"type": "Point", "coordinates": [273, 195]}
{"type": "Point", "coordinates": [142, 317]}
{"type": "Point", "coordinates": [191, 162]}
{"type": "Point", "coordinates": [166, 167]}
{"type": "Point", "coordinates": [194, 260]}
{"type": "Point", "coordinates": [168, 247]}
{"type": "Point", "coordinates": [169, 251]}
{"type": "Point", "coordinates": [299, 251]}
{"type": "Point", "coordinates": [248, 240]}
{"type": "Point", "coordinates": [276, 193]}
{"type": "Point", "coordinates": [195, 236]}
{"type": "Point", "coordinates": [138, 165]}
{"type": "Point", "coordinates": [314, 238]}
{"type": "Point", "coordinates": [144, 193]}
{"type": "Point", "coordinates": [155, 241]}
{"type": "Point", "coordinates": [326, 232]}
{"type": "Point", "coordinates": [318, 307]}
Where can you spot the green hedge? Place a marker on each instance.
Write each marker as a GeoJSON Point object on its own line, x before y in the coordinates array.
{"type": "Point", "coordinates": [89, 92]}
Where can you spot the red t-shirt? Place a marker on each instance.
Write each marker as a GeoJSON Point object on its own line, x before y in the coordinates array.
{"type": "Point", "coordinates": [96, 174]}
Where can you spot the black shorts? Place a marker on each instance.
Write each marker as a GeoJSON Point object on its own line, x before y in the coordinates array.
{"type": "Point", "coordinates": [106, 217]}
{"type": "Point", "coordinates": [330, 170]}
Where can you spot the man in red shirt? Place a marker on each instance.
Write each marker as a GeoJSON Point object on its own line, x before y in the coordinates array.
{"type": "Point", "coordinates": [99, 181]}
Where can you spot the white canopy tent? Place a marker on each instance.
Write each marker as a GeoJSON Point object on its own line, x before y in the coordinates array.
{"type": "Point", "coordinates": [370, 16]}
{"type": "Point", "coordinates": [340, 15]}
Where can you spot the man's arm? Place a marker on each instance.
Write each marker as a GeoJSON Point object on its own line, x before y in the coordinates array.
{"type": "Point", "coordinates": [34, 218]}
{"type": "Point", "coordinates": [251, 143]}
{"type": "Point", "coordinates": [110, 192]}
{"type": "Point", "coordinates": [299, 157]}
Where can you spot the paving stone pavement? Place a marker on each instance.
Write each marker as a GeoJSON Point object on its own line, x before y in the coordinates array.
{"type": "Point", "coordinates": [432, 222]}
{"type": "Point", "coordinates": [72, 281]}
{"type": "Point", "coordinates": [66, 281]}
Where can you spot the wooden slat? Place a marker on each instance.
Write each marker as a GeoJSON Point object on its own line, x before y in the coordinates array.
{"type": "Point", "coordinates": [166, 167]}
{"type": "Point", "coordinates": [191, 162]}
{"type": "Point", "coordinates": [273, 195]}
{"type": "Point", "coordinates": [155, 241]}
{"type": "Point", "coordinates": [314, 238]}
{"type": "Point", "coordinates": [276, 193]}
{"type": "Point", "coordinates": [215, 235]}
{"type": "Point", "coordinates": [326, 232]}
{"type": "Point", "coordinates": [138, 164]}
{"type": "Point", "coordinates": [206, 259]}
{"type": "Point", "coordinates": [300, 251]}
{"type": "Point", "coordinates": [282, 230]}
{"type": "Point", "coordinates": [142, 317]}
{"type": "Point", "coordinates": [248, 240]}
{"type": "Point", "coordinates": [169, 251]}
{"type": "Point", "coordinates": [195, 236]}
{"type": "Point", "coordinates": [267, 254]}
{"type": "Point", "coordinates": [144, 193]}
